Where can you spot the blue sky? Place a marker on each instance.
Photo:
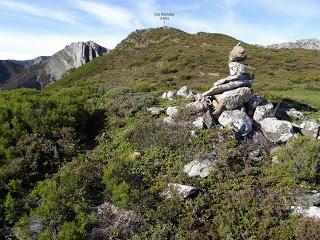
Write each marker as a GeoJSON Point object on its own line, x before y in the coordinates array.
{"type": "Point", "coordinates": [29, 28]}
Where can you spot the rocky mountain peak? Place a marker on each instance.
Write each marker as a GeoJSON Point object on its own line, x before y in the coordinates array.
{"type": "Point", "coordinates": [310, 44]}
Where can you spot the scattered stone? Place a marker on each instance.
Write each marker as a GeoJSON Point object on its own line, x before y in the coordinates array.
{"type": "Point", "coordinates": [208, 120]}
{"type": "Point", "coordinates": [277, 131]}
{"type": "Point", "coordinates": [136, 155]}
{"type": "Point", "coordinates": [169, 121]}
{"type": "Point", "coordinates": [173, 111]}
{"type": "Point", "coordinates": [164, 95]}
{"type": "Point", "coordinates": [236, 120]}
{"type": "Point", "coordinates": [191, 97]}
{"type": "Point", "coordinates": [263, 111]}
{"type": "Point", "coordinates": [296, 114]}
{"type": "Point", "coordinates": [198, 123]}
{"type": "Point", "coordinates": [36, 225]}
{"type": "Point", "coordinates": [200, 167]}
{"type": "Point", "coordinates": [198, 97]}
{"type": "Point", "coordinates": [273, 153]}
{"type": "Point", "coordinates": [183, 92]}
{"type": "Point", "coordinates": [310, 212]}
{"type": "Point", "coordinates": [306, 204]}
{"type": "Point", "coordinates": [235, 98]}
{"type": "Point", "coordinates": [156, 111]}
{"type": "Point", "coordinates": [182, 191]}
{"type": "Point", "coordinates": [310, 128]}
{"type": "Point", "coordinates": [171, 95]}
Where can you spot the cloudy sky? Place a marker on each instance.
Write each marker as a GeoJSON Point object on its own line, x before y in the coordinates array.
{"type": "Point", "coordinates": [29, 28]}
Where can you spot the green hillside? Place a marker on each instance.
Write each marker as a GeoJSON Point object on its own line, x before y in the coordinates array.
{"type": "Point", "coordinates": [88, 139]}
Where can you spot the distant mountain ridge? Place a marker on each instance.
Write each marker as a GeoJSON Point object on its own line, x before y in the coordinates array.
{"type": "Point", "coordinates": [309, 44]}
{"type": "Point", "coordinates": [43, 70]}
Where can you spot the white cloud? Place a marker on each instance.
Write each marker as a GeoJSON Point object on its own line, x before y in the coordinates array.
{"type": "Point", "coordinates": [24, 46]}
{"type": "Point", "coordinates": [109, 14]}
{"type": "Point", "coordinates": [37, 11]}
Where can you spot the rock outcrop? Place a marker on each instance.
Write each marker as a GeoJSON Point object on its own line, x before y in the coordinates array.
{"type": "Point", "coordinates": [311, 44]}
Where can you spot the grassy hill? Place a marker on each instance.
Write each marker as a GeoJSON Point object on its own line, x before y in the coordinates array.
{"type": "Point", "coordinates": [71, 147]}
{"type": "Point", "coordinates": [167, 58]}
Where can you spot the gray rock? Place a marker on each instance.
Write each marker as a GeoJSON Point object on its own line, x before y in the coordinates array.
{"type": "Point", "coordinates": [238, 68]}
{"type": "Point", "coordinates": [73, 56]}
{"type": "Point", "coordinates": [197, 106]}
{"type": "Point", "coordinates": [169, 120]}
{"type": "Point", "coordinates": [312, 44]}
{"type": "Point", "coordinates": [254, 102]}
{"type": "Point", "coordinates": [296, 114]}
{"type": "Point", "coordinates": [276, 130]}
{"type": "Point", "coordinates": [171, 95]}
{"type": "Point", "coordinates": [36, 225]}
{"type": "Point", "coordinates": [235, 98]}
{"type": "Point", "coordinates": [182, 191]}
{"type": "Point", "coordinates": [173, 111]}
{"type": "Point", "coordinates": [237, 54]}
{"type": "Point", "coordinates": [200, 167]}
{"type": "Point", "coordinates": [231, 79]}
{"type": "Point", "coordinates": [156, 110]}
{"type": "Point", "coordinates": [191, 97]}
{"type": "Point", "coordinates": [310, 128]}
{"type": "Point", "coordinates": [198, 123]}
{"type": "Point", "coordinates": [208, 120]}
{"type": "Point", "coordinates": [228, 86]}
{"type": "Point", "coordinates": [306, 204]}
{"type": "Point", "coordinates": [236, 120]}
{"type": "Point", "coordinates": [263, 111]}
{"type": "Point", "coordinates": [183, 92]}
{"type": "Point", "coordinates": [198, 97]}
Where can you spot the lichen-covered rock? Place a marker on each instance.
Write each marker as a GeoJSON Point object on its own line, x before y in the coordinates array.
{"type": "Point", "coordinates": [235, 98]}
{"type": "Point", "coordinates": [238, 68]}
{"type": "Point", "coordinates": [236, 120]}
{"type": "Point", "coordinates": [171, 95]}
{"type": "Point", "coordinates": [198, 106]}
{"type": "Point", "coordinates": [183, 92]}
{"type": "Point", "coordinates": [254, 102]}
{"type": "Point", "coordinates": [182, 191]}
{"type": "Point", "coordinates": [276, 130]}
{"type": "Point", "coordinates": [173, 111]}
{"type": "Point", "coordinates": [208, 120]}
{"type": "Point", "coordinates": [310, 128]}
{"type": "Point", "coordinates": [292, 112]}
{"type": "Point", "coordinates": [201, 167]}
{"type": "Point", "coordinates": [263, 111]}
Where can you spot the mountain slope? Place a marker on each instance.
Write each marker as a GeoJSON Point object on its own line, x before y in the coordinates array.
{"type": "Point", "coordinates": [25, 63]}
{"type": "Point", "coordinates": [310, 44]}
{"type": "Point", "coordinates": [42, 71]}
{"type": "Point", "coordinates": [7, 69]}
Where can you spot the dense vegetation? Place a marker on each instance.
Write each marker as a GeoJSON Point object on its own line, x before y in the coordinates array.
{"type": "Point", "coordinates": [69, 148]}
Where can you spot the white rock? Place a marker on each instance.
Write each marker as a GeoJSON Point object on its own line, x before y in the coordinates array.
{"type": "Point", "coordinates": [277, 130]}
{"type": "Point", "coordinates": [183, 92]}
{"type": "Point", "coordinates": [155, 110]}
{"type": "Point", "coordinates": [263, 111]}
{"type": "Point", "coordinates": [198, 123]}
{"type": "Point", "coordinates": [200, 168]}
{"type": "Point", "coordinates": [198, 97]}
{"type": "Point", "coordinates": [235, 98]}
{"type": "Point", "coordinates": [171, 95]}
{"type": "Point", "coordinates": [191, 97]}
{"type": "Point", "coordinates": [236, 120]}
{"type": "Point", "coordinates": [183, 191]}
{"type": "Point", "coordinates": [164, 95]}
{"type": "Point", "coordinates": [310, 128]}
{"type": "Point", "coordinates": [237, 68]}
{"type": "Point", "coordinates": [227, 87]}
{"type": "Point", "coordinates": [311, 212]}
{"type": "Point", "coordinates": [169, 121]}
{"type": "Point", "coordinates": [173, 111]}
{"type": "Point", "coordinates": [296, 114]}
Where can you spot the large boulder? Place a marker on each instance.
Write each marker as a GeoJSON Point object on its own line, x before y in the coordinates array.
{"type": "Point", "coordinates": [201, 167]}
{"type": "Point", "coordinates": [236, 120]}
{"type": "Point", "coordinates": [276, 130]}
{"type": "Point", "coordinates": [310, 128]}
{"type": "Point", "coordinates": [182, 191]}
{"type": "Point", "coordinates": [235, 98]}
{"type": "Point", "coordinates": [263, 111]}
